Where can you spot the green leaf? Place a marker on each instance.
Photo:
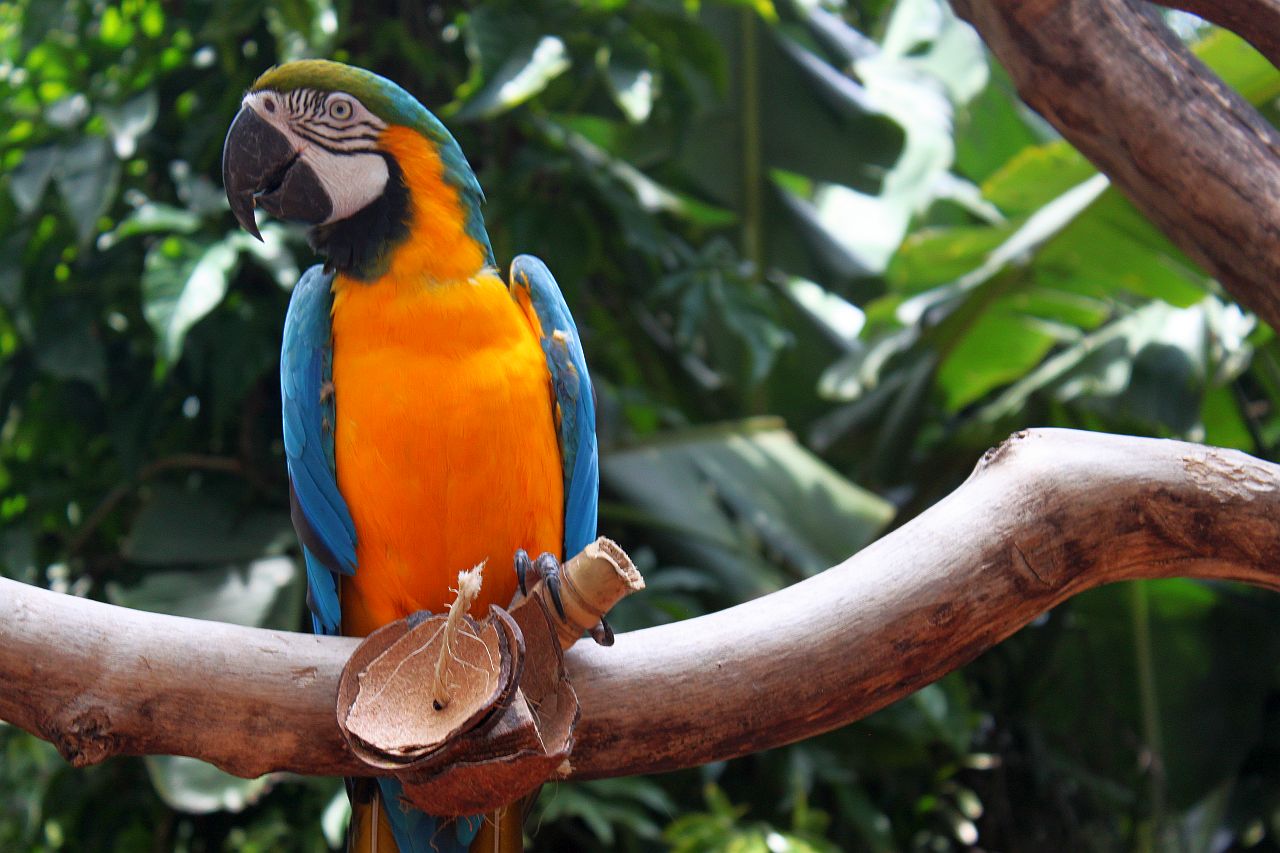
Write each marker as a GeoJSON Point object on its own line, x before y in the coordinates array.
{"type": "Point", "coordinates": [992, 129]}
{"type": "Point", "coordinates": [192, 786]}
{"type": "Point", "coordinates": [813, 121]}
{"type": "Point", "coordinates": [629, 803]}
{"type": "Point", "coordinates": [1043, 225]}
{"type": "Point", "coordinates": [1035, 177]}
{"type": "Point", "coordinates": [27, 183]}
{"type": "Point", "coordinates": [1239, 65]}
{"type": "Point", "coordinates": [68, 112]}
{"type": "Point", "coordinates": [928, 37]}
{"type": "Point", "coordinates": [815, 118]}
{"type": "Point", "coordinates": [68, 346]}
{"type": "Point", "coordinates": [178, 525]}
{"type": "Point", "coordinates": [652, 196]}
{"type": "Point", "coordinates": [525, 73]}
{"type": "Point", "coordinates": [113, 28]}
{"type": "Point", "coordinates": [182, 281]}
{"type": "Point", "coordinates": [1019, 250]}
{"type": "Point", "coordinates": [86, 176]}
{"type": "Point", "coordinates": [846, 96]}
{"type": "Point", "coordinates": [842, 249]}
{"type": "Point", "coordinates": [1146, 367]}
{"type": "Point", "coordinates": [201, 195]}
{"type": "Point", "coordinates": [930, 63]}
{"type": "Point", "coordinates": [1113, 249]}
{"type": "Point", "coordinates": [1206, 641]}
{"type": "Point", "coordinates": [841, 319]}
{"type": "Point", "coordinates": [18, 552]}
{"type": "Point", "coordinates": [1224, 425]}
{"type": "Point", "coordinates": [335, 818]}
{"type": "Point", "coordinates": [634, 87]}
{"type": "Point", "coordinates": [932, 257]}
{"type": "Point", "coordinates": [1201, 827]}
{"type": "Point", "coordinates": [734, 493]}
{"type": "Point", "coordinates": [999, 348]}
{"type": "Point", "coordinates": [151, 217]}
{"type": "Point", "coordinates": [494, 35]}
{"type": "Point", "coordinates": [271, 253]}
{"type": "Point", "coordinates": [764, 8]}
{"type": "Point", "coordinates": [264, 593]}
{"type": "Point", "coordinates": [131, 120]}
{"type": "Point", "coordinates": [302, 28]}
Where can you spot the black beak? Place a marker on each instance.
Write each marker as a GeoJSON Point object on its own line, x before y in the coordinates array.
{"type": "Point", "coordinates": [261, 169]}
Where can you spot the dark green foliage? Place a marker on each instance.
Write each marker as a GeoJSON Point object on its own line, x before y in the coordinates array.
{"type": "Point", "coordinates": [839, 217]}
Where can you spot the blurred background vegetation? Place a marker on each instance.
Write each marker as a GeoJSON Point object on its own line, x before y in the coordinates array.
{"type": "Point", "coordinates": [821, 258]}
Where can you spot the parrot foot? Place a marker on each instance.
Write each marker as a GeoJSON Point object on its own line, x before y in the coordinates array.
{"type": "Point", "coordinates": [417, 617]}
{"type": "Point", "coordinates": [523, 567]}
{"type": "Point", "coordinates": [602, 633]}
{"type": "Point", "coordinates": [547, 568]}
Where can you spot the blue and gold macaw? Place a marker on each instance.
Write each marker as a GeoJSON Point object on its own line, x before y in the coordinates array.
{"type": "Point", "coordinates": [435, 417]}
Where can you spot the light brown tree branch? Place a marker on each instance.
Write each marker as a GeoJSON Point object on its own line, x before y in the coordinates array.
{"type": "Point", "coordinates": [1045, 516]}
{"type": "Point", "coordinates": [1185, 148]}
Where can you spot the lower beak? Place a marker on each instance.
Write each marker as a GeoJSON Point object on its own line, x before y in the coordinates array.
{"type": "Point", "coordinates": [260, 168]}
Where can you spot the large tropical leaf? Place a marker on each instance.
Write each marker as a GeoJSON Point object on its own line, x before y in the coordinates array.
{"type": "Point", "coordinates": [744, 500]}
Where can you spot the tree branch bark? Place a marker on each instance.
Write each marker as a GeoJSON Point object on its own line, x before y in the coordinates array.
{"type": "Point", "coordinates": [1185, 148]}
{"type": "Point", "coordinates": [1045, 515]}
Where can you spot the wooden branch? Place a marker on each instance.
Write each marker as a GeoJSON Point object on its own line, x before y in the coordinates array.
{"type": "Point", "coordinates": [1255, 21]}
{"type": "Point", "coordinates": [1047, 514]}
{"type": "Point", "coordinates": [1184, 147]}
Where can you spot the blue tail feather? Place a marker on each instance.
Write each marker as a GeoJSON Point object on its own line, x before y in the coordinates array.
{"type": "Point", "coordinates": [417, 832]}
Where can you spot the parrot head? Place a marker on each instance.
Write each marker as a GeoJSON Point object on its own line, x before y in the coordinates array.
{"type": "Point", "coordinates": [344, 150]}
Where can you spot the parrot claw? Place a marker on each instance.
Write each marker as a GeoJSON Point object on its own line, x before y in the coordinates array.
{"type": "Point", "coordinates": [548, 568]}
{"type": "Point", "coordinates": [545, 568]}
{"type": "Point", "coordinates": [417, 617]}
{"type": "Point", "coordinates": [523, 565]}
{"type": "Point", "coordinates": [602, 633]}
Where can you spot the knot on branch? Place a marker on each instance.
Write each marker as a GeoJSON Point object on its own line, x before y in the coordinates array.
{"type": "Point", "coordinates": [86, 739]}
{"type": "Point", "coordinates": [507, 722]}
{"type": "Point", "coordinates": [994, 455]}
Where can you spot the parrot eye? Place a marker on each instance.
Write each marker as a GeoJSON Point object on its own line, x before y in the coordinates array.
{"type": "Point", "coordinates": [340, 109]}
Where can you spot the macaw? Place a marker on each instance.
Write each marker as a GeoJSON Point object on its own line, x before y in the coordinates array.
{"type": "Point", "coordinates": [435, 417]}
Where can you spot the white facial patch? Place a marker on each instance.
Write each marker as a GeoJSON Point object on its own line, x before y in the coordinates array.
{"type": "Point", "coordinates": [351, 181]}
{"type": "Point", "coordinates": [336, 136]}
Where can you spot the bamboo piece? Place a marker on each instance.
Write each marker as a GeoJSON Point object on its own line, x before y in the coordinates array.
{"type": "Point", "coordinates": [590, 585]}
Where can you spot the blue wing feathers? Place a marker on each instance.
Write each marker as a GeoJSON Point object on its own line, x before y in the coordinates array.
{"type": "Point", "coordinates": [571, 384]}
{"type": "Point", "coordinates": [322, 596]}
{"type": "Point", "coordinates": [581, 504]}
{"type": "Point", "coordinates": [325, 525]}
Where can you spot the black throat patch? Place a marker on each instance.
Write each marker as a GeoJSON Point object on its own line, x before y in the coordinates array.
{"type": "Point", "coordinates": [360, 246]}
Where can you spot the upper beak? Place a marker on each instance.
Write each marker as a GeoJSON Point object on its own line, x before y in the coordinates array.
{"type": "Point", "coordinates": [261, 168]}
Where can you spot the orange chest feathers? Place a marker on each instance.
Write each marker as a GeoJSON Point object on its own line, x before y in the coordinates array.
{"type": "Point", "coordinates": [444, 441]}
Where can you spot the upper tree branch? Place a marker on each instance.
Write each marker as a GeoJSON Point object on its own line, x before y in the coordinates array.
{"type": "Point", "coordinates": [1255, 21]}
{"type": "Point", "coordinates": [1188, 150]}
{"type": "Point", "coordinates": [1046, 515]}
